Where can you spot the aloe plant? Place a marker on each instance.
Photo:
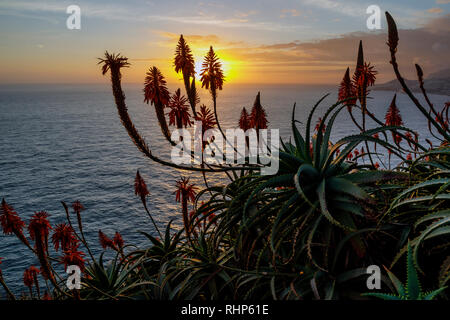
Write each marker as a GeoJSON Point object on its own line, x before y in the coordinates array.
{"type": "Point", "coordinates": [412, 290]}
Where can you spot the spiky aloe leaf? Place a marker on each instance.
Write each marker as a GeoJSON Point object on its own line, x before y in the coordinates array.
{"type": "Point", "coordinates": [298, 139]}
{"type": "Point", "coordinates": [433, 294]}
{"type": "Point", "coordinates": [341, 185]}
{"type": "Point", "coordinates": [306, 169]}
{"type": "Point", "coordinates": [367, 177]}
{"type": "Point", "coordinates": [428, 183]}
{"type": "Point", "coordinates": [396, 282]}
{"type": "Point", "coordinates": [444, 273]}
{"type": "Point", "coordinates": [321, 194]}
{"type": "Point", "coordinates": [421, 199]}
{"type": "Point", "coordinates": [413, 289]}
{"type": "Point", "coordinates": [384, 296]}
{"type": "Point", "coordinates": [308, 123]}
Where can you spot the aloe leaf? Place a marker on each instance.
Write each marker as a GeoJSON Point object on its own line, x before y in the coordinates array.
{"type": "Point", "coordinates": [308, 123]}
{"type": "Point", "coordinates": [341, 185]}
{"type": "Point", "coordinates": [413, 289]}
{"type": "Point", "coordinates": [280, 215]}
{"type": "Point", "coordinates": [298, 139]}
{"type": "Point", "coordinates": [431, 295]}
{"type": "Point", "coordinates": [396, 282]}
{"type": "Point", "coordinates": [420, 199]}
{"type": "Point", "coordinates": [384, 296]}
{"type": "Point", "coordinates": [444, 272]}
{"type": "Point", "coordinates": [420, 185]}
{"type": "Point", "coordinates": [321, 193]}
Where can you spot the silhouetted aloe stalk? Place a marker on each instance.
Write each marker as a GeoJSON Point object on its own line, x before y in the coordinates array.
{"type": "Point", "coordinates": [184, 62]}
{"type": "Point", "coordinates": [347, 93]}
{"type": "Point", "coordinates": [212, 78]}
{"type": "Point", "coordinates": [3, 283]}
{"type": "Point", "coordinates": [393, 43]}
{"type": "Point", "coordinates": [140, 189]}
{"type": "Point", "coordinates": [185, 192]}
{"type": "Point", "coordinates": [155, 92]}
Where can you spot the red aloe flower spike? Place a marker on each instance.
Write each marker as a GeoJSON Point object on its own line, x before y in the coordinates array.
{"type": "Point", "coordinates": [350, 156]}
{"type": "Point", "coordinates": [364, 78]}
{"type": "Point", "coordinates": [46, 296]}
{"type": "Point", "coordinates": [376, 136]}
{"type": "Point", "coordinates": [393, 118]}
{"type": "Point", "coordinates": [347, 90]}
{"type": "Point", "coordinates": [184, 62]}
{"type": "Point", "coordinates": [206, 117]}
{"type": "Point", "coordinates": [39, 229]}
{"type": "Point", "coordinates": [106, 242]}
{"type": "Point", "coordinates": [244, 120]}
{"type": "Point", "coordinates": [208, 122]}
{"type": "Point", "coordinates": [409, 138]}
{"type": "Point", "coordinates": [409, 157]}
{"type": "Point", "coordinates": [118, 240]}
{"type": "Point", "coordinates": [377, 165]}
{"type": "Point", "coordinates": [258, 115]}
{"type": "Point", "coordinates": [185, 192]}
{"type": "Point", "coordinates": [140, 188]}
{"type": "Point", "coordinates": [63, 236]}
{"type": "Point", "coordinates": [30, 278]}
{"type": "Point", "coordinates": [318, 124]}
{"type": "Point", "coordinates": [72, 256]}
{"type": "Point", "coordinates": [77, 208]}
{"type": "Point", "coordinates": [179, 113]}
{"type": "Point", "coordinates": [156, 93]}
{"type": "Point", "coordinates": [11, 222]}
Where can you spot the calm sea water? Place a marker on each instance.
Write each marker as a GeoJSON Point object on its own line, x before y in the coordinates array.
{"type": "Point", "coordinates": [66, 143]}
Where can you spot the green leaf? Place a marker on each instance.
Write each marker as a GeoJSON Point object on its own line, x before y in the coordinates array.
{"type": "Point", "coordinates": [431, 295]}
{"type": "Point", "coordinates": [413, 289]}
{"type": "Point", "coordinates": [321, 193]}
{"type": "Point", "coordinates": [341, 185]}
{"type": "Point", "coordinates": [384, 296]}
{"type": "Point", "coordinates": [396, 282]}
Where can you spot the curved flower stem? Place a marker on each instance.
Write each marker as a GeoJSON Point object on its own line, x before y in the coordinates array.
{"type": "Point", "coordinates": [8, 291]}
{"type": "Point", "coordinates": [151, 217]}
{"type": "Point", "coordinates": [393, 49]}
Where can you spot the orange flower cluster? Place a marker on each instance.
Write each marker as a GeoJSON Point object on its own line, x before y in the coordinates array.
{"type": "Point", "coordinates": [257, 118]}
{"type": "Point", "coordinates": [116, 243]}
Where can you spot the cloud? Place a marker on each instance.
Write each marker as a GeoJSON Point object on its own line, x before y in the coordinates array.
{"type": "Point", "coordinates": [289, 12]}
{"type": "Point", "coordinates": [442, 1]}
{"type": "Point", "coordinates": [197, 41]}
{"type": "Point", "coordinates": [427, 46]}
{"type": "Point", "coordinates": [350, 9]}
{"type": "Point", "coordinates": [435, 10]}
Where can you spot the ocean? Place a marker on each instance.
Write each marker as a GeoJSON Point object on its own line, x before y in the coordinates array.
{"type": "Point", "coordinates": [66, 143]}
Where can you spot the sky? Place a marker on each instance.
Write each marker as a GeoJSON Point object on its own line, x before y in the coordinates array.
{"type": "Point", "coordinates": [291, 41]}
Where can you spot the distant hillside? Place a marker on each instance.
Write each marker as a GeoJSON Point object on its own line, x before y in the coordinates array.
{"type": "Point", "coordinates": [437, 83]}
